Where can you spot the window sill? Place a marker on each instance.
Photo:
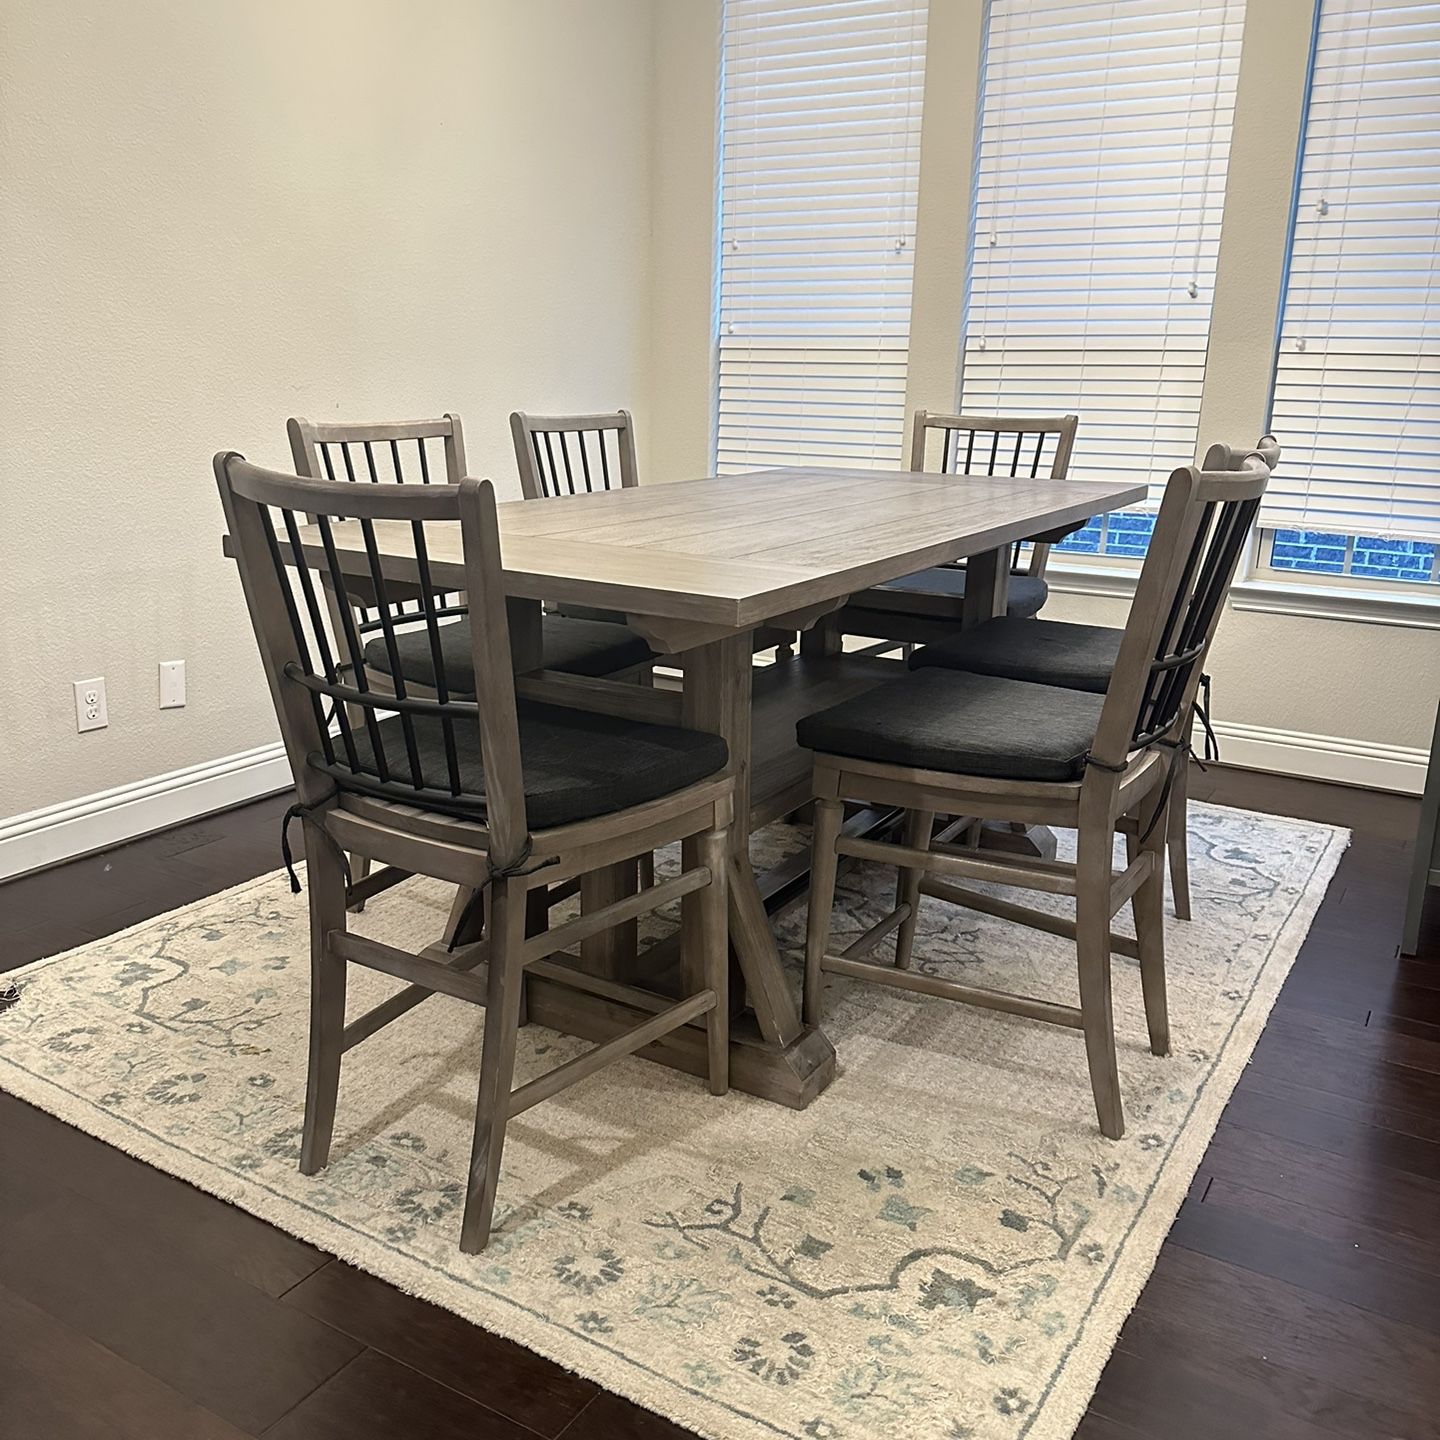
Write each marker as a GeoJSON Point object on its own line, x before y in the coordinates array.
{"type": "Point", "coordinates": [1337, 602]}
{"type": "Point", "coordinates": [1110, 581]}
{"type": "Point", "coordinates": [1271, 597]}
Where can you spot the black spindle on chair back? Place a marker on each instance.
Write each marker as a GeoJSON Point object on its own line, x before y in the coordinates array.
{"type": "Point", "coordinates": [573, 454]}
{"type": "Point", "coordinates": [295, 540]}
{"type": "Point", "coordinates": [1205, 519]}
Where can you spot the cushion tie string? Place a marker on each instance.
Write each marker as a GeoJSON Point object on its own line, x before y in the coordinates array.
{"type": "Point", "coordinates": [518, 866]}
{"type": "Point", "coordinates": [1105, 764]}
{"type": "Point", "coordinates": [1202, 709]}
{"type": "Point", "coordinates": [307, 812]}
{"type": "Point", "coordinates": [1178, 749]}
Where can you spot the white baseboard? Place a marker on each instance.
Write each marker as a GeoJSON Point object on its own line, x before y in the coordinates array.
{"type": "Point", "coordinates": [94, 822]}
{"type": "Point", "coordinates": [78, 827]}
{"type": "Point", "coordinates": [1323, 757]}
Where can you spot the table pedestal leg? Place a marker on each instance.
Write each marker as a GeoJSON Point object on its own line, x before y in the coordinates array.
{"type": "Point", "coordinates": [717, 698]}
{"type": "Point", "coordinates": [987, 586]}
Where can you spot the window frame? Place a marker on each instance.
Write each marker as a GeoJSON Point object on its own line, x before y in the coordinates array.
{"type": "Point", "coordinates": [1258, 576]}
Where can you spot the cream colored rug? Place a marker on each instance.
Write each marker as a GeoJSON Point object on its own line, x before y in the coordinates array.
{"type": "Point", "coordinates": [941, 1246]}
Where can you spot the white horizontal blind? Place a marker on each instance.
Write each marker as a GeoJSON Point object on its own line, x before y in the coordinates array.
{"type": "Point", "coordinates": [819, 174]}
{"type": "Point", "coordinates": [1104, 140]}
{"type": "Point", "coordinates": [1357, 384]}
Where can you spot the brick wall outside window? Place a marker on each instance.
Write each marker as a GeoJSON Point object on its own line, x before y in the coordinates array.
{"type": "Point", "coordinates": [1126, 534]}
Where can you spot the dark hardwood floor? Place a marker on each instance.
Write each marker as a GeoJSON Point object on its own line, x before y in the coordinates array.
{"type": "Point", "coordinates": [1297, 1297]}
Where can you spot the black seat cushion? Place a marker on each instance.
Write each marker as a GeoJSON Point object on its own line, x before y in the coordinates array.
{"type": "Point", "coordinates": [964, 724]}
{"type": "Point", "coordinates": [1046, 652]}
{"type": "Point", "coordinates": [1026, 595]}
{"type": "Point", "coordinates": [577, 647]}
{"type": "Point", "coordinates": [577, 765]}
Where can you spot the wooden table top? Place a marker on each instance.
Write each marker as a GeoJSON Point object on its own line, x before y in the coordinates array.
{"type": "Point", "coordinates": [738, 550]}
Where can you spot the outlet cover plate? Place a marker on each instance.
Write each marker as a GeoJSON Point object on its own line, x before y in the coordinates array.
{"type": "Point", "coordinates": [91, 712]}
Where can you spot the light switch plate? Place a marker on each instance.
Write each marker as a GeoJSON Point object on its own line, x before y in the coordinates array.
{"type": "Point", "coordinates": [172, 684]}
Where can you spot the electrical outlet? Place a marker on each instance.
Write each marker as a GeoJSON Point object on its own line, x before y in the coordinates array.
{"type": "Point", "coordinates": [90, 709]}
{"type": "Point", "coordinates": [172, 684]}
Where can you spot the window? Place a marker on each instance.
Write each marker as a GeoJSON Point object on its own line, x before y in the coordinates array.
{"type": "Point", "coordinates": [1357, 380]}
{"type": "Point", "coordinates": [1360, 557]}
{"type": "Point", "coordinates": [819, 171]}
{"type": "Point", "coordinates": [1099, 189]}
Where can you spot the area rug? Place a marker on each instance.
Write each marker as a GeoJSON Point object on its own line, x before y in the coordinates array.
{"type": "Point", "coordinates": [942, 1245]}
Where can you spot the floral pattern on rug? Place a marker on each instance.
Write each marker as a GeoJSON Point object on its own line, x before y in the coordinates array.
{"type": "Point", "coordinates": [941, 1246]}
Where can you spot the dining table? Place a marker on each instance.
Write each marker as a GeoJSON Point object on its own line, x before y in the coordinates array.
{"type": "Point", "coordinates": [697, 567]}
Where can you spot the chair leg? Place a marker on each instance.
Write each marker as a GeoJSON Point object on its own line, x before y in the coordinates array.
{"type": "Point", "coordinates": [647, 870]}
{"type": "Point", "coordinates": [1147, 906]}
{"type": "Point", "coordinates": [326, 882]}
{"type": "Point", "coordinates": [497, 1060]}
{"type": "Point", "coordinates": [823, 860]}
{"type": "Point", "coordinates": [475, 922]}
{"type": "Point", "coordinates": [359, 869]}
{"type": "Point", "coordinates": [714, 904]}
{"type": "Point", "coordinates": [919, 825]}
{"type": "Point", "coordinates": [537, 922]}
{"type": "Point", "coordinates": [359, 864]}
{"type": "Point", "coordinates": [1177, 837]}
{"type": "Point", "coordinates": [1092, 944]}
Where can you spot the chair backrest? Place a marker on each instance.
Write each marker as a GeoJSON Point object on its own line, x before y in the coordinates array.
{"type": "Point", "coordinates": [573, 454]}
{"type": "Point", "coordinates": [313, 656]}
{"type": "Point", "coordinates": [404, 452]}
{"type": "Point", "coordinates": [1205, 519]}
{"type": "Point", "coordinates": [401, 452]}
{"type": "Point", "coordinates": [993, 445]}
{"type": "Point", "coordinates": [997, 445]}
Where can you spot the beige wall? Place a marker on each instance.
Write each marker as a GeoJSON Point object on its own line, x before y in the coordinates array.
{"type": "Point", "coordinates": [1367, 687]}
{"type": "Point", "coordinates": [213, 216]}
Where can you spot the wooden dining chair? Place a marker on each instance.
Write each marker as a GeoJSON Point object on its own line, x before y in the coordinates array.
{"type": "Point", "coordinates": [1081, 657]}
{"type": "Point", "coordinates": [574, 454]}
{"type": "Point", "coordinates": [426, 452]}
{"type": "Point", "coordinates": [479, 790]}
{"type": "Point", "coordinates": [950, 742]}
{"type": "Point", "coordinates": [929, 604]}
